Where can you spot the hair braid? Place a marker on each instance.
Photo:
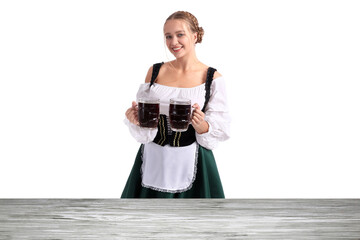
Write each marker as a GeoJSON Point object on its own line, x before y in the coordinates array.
{"type": "Point", "coordinates": [198, 29]}
{"type": "Point", "coordinates": [192, 21]}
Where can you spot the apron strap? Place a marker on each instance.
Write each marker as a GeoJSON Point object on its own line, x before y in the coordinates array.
{"type": "Point", "coordinates": [209, 79]}
{"type": "Point", "coordinates": [156, 69]}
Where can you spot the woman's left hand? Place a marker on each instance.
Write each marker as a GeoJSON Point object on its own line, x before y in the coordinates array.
{"type": "Point", "coordinates": [198, 120]}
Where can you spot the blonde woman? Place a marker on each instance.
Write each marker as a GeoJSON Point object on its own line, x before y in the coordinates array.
{"type": "Point", "coordinates": [172, 164]}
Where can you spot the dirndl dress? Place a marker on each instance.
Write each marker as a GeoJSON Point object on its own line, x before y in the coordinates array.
{"type": "Point", "coordinates": [173, 164]}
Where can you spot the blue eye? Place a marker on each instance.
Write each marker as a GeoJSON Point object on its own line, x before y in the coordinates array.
{"type": "Point", "coordinates": [180, 35]}
{"type": "Point", "coordinates": [168, 37]}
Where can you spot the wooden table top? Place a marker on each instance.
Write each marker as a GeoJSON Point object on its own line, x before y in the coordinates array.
{"type": "Point", "coordinates": [179, 219]}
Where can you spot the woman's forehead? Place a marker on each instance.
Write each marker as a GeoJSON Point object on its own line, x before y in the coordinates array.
{"type": "Point", "coordinates": [175, 25]}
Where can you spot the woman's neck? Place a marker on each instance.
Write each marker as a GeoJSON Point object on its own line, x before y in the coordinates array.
{"type": "Point", "coordinates": [186, 63]}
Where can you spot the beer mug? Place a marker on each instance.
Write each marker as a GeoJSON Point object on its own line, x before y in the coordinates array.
{"type": "Point", "coordinates": [148, 112]}
{"type": "Point", "coordinates": [180, 114]}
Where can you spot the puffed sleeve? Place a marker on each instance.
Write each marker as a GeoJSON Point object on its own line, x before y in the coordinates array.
{"type": "Point", "coordinates": [217, 115]}
{"type": "Point", "coordinates": [142, 135]}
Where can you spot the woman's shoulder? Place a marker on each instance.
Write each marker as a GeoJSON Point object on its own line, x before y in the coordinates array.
{"type": "Point", "coordinates": [163, 65]}
{"type": "Point", "coordinates": [217, 75]}
{"type": "Point", "coordinates": [150, 70]}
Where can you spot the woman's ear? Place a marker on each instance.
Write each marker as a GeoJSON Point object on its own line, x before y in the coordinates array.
{"type": "Point", "coordinates": [195, 37]}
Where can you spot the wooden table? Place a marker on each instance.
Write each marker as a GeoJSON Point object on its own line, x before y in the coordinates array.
{"type": "Point", "coordinates": [104, 219]}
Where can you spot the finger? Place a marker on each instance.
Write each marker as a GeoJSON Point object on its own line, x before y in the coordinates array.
{"type": "Point", "coordinates": [196, 120]}
{"type": "Point", "coordinates": [196, 106]}
{"type": "Point", "coordinates": [197, 110]}
{"type": "Point", "coordinates": [194, 115]}
{"type": "Point", "coordinates": [128, 113]}
{"type": "Point", "coordinates": [199, 115]}
{"type": "Point", "coordinates": [132, 116]}
{"type": "Point", "coordinates": [193, 122]}
{"type": "Point", "coordinates": [134, 120]}
{"type": "Point", "coordinates": [134, 104]}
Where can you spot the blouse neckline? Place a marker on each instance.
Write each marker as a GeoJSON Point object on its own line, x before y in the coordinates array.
{"type": "Point", "coordinates": [165, 86]}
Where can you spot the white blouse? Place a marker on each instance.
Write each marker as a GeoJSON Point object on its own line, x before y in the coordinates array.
{"type": "Point", "coordinates": [216, 112]}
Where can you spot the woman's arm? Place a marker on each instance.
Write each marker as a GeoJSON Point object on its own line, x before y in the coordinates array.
{"type": "Point", "coordinates": [142, 135]}
{"type": "Point", "coordinates": [217, 117]}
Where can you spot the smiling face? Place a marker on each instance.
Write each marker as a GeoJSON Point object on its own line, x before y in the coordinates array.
{"type": "Point", "coordinates": [179, 39]}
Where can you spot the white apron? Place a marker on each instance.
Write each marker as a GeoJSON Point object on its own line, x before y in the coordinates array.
{"type": "Point", "coordinates": [169, 169]}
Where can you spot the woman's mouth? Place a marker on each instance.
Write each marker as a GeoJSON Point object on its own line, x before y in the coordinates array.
{"type": "Point", "coordinates": [177, 49]}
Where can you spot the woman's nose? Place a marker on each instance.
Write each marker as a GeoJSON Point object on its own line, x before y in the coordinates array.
{"type": "Point", "coordinates": [174, 41]}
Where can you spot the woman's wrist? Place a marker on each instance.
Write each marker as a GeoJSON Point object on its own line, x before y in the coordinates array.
{"type": "Point", "coordinates": [202, 128]}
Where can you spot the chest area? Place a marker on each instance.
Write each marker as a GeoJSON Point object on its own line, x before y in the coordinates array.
{"type": "Point", "coordinates": [188, 80]}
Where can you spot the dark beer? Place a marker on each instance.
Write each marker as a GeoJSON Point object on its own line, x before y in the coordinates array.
{"type": "Point", "coordinates": [148, 113]}
{"type": "Point", "coordinates": [180, 114]}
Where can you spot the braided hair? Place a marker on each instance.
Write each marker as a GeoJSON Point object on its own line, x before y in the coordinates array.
{"type": "Point", "coordinates": [192, 22]}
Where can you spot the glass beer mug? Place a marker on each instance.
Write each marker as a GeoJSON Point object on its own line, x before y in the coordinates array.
{"type": "Point", "coordinates": [180, 114]}
{"type": "Point", "coordinates": [148, 112]}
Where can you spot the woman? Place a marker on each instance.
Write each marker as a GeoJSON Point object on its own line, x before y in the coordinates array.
{"type": "Point", "coordinates": [169, 165]}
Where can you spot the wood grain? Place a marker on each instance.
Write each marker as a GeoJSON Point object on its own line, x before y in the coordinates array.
{"type": "Point", "coordinates": [57, 219]}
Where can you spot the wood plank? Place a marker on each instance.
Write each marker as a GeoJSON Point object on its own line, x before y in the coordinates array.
{"type": "Point", "coordinates": [179, 218]}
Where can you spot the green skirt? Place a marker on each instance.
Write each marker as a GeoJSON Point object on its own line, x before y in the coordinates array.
{"type": "Point", "coordinates": [207, 182]}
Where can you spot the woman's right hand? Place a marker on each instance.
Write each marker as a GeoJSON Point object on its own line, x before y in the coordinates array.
{"type": "Point", "coordinates": [132, 114]}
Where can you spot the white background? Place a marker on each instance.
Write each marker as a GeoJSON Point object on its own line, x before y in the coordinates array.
{"type": "Point", "coordinates": [70, 69]}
